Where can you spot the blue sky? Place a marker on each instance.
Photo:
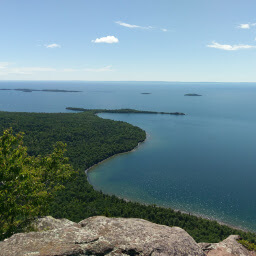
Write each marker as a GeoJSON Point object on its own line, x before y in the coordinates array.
{"type": "Point", "coordinates": [114, 40]}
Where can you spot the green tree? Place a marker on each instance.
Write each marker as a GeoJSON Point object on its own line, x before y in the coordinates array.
{"type": "Point", "coordinates": [28, 183]}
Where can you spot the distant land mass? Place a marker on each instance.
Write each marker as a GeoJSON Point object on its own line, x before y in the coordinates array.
{"type": "Point", "coordinates": [124, 110]}
{"type": "Point", "coordinates": [146, 93]}
{"type": "Point", "coordinates": [192, 94]}
{"type": "Point", "coordinates": [36, 90]}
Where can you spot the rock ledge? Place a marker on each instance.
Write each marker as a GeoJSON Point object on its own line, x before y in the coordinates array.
{"type": "Point", "coordinates": [112, 236]}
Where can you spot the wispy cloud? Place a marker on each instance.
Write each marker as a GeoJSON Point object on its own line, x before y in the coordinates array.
{"type": "Point", "coordinates": [6, 69]}
{"type": "Point", "coordinates": [52, 45]}
{"type": "Point", "coordinates": [228, 47]}
{"type": "Point", "coordinates": [70, 70]}
{"type": "Point", "coordinates": [246, 25]}
{"type": "Point", "coordinates": [106, 39]}
{"type": "Point", "coordinates": [132, 26]}
{"type": "Point", "coordinates": [127, 25]}
{"type": "Point", "coordinates": [104, 69]}
{"type": "Point", "coordinates": [4, 65]}
{"type": "Point", "coordinates": [30, 70]}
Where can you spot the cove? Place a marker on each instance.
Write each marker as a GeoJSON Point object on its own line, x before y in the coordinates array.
{"type": "Point", "coordinates": [194, 164]}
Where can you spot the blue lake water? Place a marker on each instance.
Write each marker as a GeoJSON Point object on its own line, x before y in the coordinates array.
{"type": "Point", "coordinates": [203, 163]}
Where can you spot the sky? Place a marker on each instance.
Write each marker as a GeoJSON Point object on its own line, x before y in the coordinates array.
{"type": "Point", "coordinates": [128, 40]}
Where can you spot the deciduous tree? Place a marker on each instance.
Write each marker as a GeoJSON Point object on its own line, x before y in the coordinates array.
{"type": "Point", "coordinates": [28, 183]}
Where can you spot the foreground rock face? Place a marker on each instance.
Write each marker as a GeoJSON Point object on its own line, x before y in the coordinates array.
{"type": "Point", "coordinates": [111, 236]}
{"type": "Point", "coordinates": [101, 236]}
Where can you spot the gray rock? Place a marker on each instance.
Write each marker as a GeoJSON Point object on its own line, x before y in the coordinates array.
{"type": "Point", "coordinates": [49, 223]}
{"type": "Point", "coordinates": [101, 236]}
{"type": "Point", "coordinates": [228, 247]}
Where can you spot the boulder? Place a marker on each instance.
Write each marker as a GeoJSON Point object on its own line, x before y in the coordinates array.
{"type": "Point", "coordinates": [100, 236]}
{"type": "Point", "coordinates": [228, 247]}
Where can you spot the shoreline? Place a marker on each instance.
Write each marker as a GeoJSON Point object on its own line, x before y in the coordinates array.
{"type": "Point", "coordinates": [187, 213]}
{"type": "Point", "coordinates": [93, 166]}
{"type": "Point", "coordinates": [176, 210]}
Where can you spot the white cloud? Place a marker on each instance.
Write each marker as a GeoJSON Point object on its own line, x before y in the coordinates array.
{"type": "Point", "coordinates": [107, 39]}
{"type": "Point", "coordinates": [127, 25]}
{"type": "Point", "coordinates": [132, 26]}
{"type": "Point", "coordinates": [246, 25]}
{"type": "Point", "coordinates": [228, 47]}
{"type": "Point", "coordinates": [52, 45]}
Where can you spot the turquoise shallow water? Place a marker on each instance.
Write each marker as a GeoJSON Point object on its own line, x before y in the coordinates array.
{"type": "Point", "coordinates": [202, 163]}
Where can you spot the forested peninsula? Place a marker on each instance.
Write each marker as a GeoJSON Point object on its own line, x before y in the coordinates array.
{"type": "Point", "coordinates": [91, 139]}
{"type": "Point", "coordinates": [124, 111]}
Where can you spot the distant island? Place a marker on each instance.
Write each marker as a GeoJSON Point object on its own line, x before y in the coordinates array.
{"type": "Point", "coordinates": [146, 93]}
{"type": "Point", "coordinates": [192, 94]}
{"type": "Point", "coordinates": [125, 111]}
{"type": "Point", "coordinates": [36, 90]}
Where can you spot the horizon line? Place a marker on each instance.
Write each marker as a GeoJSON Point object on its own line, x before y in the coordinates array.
{"type": "Point", "coordinates": [157, 81]}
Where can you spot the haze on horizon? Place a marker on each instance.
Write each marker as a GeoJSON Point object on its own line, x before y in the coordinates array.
{"type": "Point", "coordinates": [93, 40]}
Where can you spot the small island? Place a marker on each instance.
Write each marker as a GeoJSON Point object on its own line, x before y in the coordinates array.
{"type": "Point", "coordinates": [24, 90]}
{"type": "Point", "coordinates": [125, 111]}
{"type": "Point", "coordinates": [146, 93]}
{"type": "Point", "coordinates": [37, 90]}
{"type": "Point", "coordinates": [192, 94]}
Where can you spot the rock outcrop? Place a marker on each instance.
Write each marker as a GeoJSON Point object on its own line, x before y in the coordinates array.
{"type": "Point", "coordinates": [111, 236]}
{"type": "Point", "coordinates": [228, 247]}
{"type": "Point", "coordinates": [101, 236]}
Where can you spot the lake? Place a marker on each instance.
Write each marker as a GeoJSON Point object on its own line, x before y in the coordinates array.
{"type": "Point", "coordinates": [202, 163]}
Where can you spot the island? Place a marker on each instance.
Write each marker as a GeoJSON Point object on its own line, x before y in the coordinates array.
{"type": "Point", "coordinates": [192, 94]}
{"type": "Point", "coordinates": [24, 90]}
{"type": "Point", "coordinates": [146, 93]}
{"type": "Point", "coordinates": [124, 111]}
{"type": "Point", "coordinates": [37, 90]}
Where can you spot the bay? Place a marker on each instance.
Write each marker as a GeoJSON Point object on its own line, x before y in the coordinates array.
{"type": "Point", "coordinates": [202, 163]}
